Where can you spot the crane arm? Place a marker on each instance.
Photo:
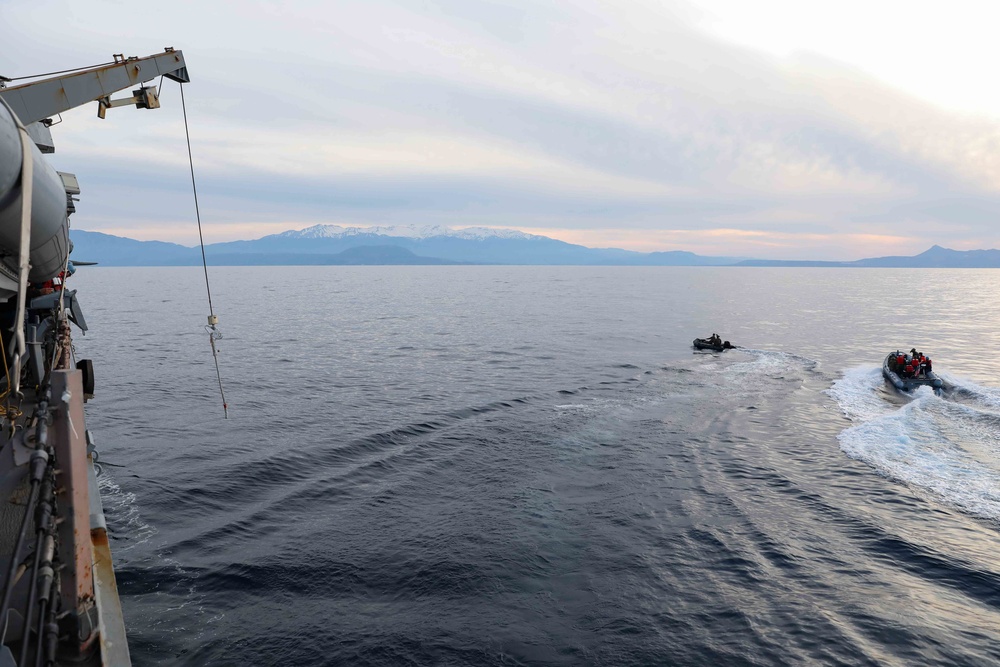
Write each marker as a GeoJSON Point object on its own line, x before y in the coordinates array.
{"type": "Point", "coordinates": [41, 99]}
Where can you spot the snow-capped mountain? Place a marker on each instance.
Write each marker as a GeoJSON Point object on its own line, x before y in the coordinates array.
{"type": "Point", "coordinates": [334, 244]}
{"type": "Point", "coordinates": [406, 231]}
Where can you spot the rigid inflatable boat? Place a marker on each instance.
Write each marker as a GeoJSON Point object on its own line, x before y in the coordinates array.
{"type": "Point", "coordinates": [904, 381]}
{"type": "Point", "coordinates": [706, 344]}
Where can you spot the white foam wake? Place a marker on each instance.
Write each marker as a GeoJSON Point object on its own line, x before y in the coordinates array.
{"type": "Point", "coordinates": [948, 448]}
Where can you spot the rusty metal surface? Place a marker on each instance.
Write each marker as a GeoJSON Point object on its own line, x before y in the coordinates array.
{"type": "Point", "coordinates": [114, 644]}
{"type": "Point", "coordinates": [67, 439]}
{"type": "Point", "coordinates": [41, 99]}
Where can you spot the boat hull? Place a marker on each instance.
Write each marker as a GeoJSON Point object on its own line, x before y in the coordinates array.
{"type": "Point", "coordinates": [705, 344]}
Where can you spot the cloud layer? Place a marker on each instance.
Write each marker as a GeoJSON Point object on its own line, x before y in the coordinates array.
{"type": "Point", "coordinates": [610, 124]}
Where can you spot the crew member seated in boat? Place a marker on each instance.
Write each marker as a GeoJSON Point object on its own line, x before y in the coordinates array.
{"type": "Point", "coordinates": [714, 339]}
{"type": "Point", "coordinates": [49, 286]}
{"type": "Point", "coordinates": [927, 364]}
{"type": "Point", "coordinates": [908, 371]}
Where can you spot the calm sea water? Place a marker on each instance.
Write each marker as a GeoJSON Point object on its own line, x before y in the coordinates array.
{"type": "Point", "coordinates": [531, 466]}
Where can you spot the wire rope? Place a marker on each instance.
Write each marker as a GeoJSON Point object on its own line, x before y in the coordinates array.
{"type": "Point", "coordinates": [62, 71]}
{"type": "Point", "coordinates": [212, 319]}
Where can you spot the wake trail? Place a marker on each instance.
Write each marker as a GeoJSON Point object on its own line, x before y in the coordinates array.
{"type": "Point", "coordinates": [948, 446]}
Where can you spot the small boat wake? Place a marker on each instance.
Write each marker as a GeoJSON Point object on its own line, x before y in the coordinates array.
{"type": "Point", "coordinates": [768, 365]}
{"type": "Point", "coordinates": [948, 446]}
{"type": "Point", "coordinates": [772, 361]}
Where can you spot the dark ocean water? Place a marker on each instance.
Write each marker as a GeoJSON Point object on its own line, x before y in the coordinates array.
{"type": "Point", "coordinates": [530, 466]}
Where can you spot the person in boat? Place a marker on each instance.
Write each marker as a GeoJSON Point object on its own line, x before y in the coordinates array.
{"type": "Point", "coordinates": [925, 365]}
{"type": "Point", "coordinates": [714, 339]}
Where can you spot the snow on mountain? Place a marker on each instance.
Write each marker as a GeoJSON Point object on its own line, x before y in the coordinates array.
{"type": "Point", "coordinates": [483, 233]}
{"type": "Point", "coordinates": [315, 232]}
{"type": "Point", "coordinates": [407, 231]}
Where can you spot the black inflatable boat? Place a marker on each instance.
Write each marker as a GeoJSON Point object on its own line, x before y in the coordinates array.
{"type": "Point", "coordinates": [706, 344]}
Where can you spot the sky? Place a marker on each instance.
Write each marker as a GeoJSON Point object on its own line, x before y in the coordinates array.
{"type": "Point", "coordinates": [772, 129]}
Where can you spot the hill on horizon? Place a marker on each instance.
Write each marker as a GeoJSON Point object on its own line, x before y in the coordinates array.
{"type": "Point", "coordinates": [426, 245]}
{"type": "Point", "coordinates": [437, 245]}
{"type": "Point", "coordinates": [935, 257]}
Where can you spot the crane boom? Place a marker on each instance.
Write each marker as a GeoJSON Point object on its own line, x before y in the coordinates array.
{"type": "Point", "coordinates": [29, 186]}
{"type": "Point", "coordinates": [41, 99]}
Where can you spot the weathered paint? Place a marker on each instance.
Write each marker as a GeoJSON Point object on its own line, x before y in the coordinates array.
{"type": "Point", "coordinates": [67, 439]}
{"type": "Point", "coordinates": [41, 99]}
{"type": "Point", "coordinates": [114, 644]}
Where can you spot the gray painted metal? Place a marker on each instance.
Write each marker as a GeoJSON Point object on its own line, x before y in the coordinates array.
{"type": "Point", "coordinates": [48, 204]}
{"type": "Point", "coordinates": [114, 643]}
{"type": "Point", "coordinates": [10, 154]}
{"type": "Point", "coordinates": [97, 520]}
{"type": "Point", "coordinates": [41, 99]}
{"type": "Point", "coordinates": [31, 103]}
{"type": "Point", "coordinates": [42, 136]}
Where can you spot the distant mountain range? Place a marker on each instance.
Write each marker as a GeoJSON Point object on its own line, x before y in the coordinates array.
{"type": "Point", "coordinates": [332, 244]}
{"type": "Point", "coordinates": [411, 245]}
{"type": "Point", "coordinates": [934, 258]}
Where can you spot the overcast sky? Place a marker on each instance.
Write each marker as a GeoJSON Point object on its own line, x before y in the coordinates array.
{"type": "Point", "coordinates": [770, 129]}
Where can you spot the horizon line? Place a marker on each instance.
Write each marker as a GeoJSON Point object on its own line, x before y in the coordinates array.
{"type": "Point", "coordinates": [739, 257]}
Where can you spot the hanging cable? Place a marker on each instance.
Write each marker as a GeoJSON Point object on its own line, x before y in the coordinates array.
{"type": "Point", "coordinates": [62, 71]}
{"type": "Point", "coordinates": [213, 333]}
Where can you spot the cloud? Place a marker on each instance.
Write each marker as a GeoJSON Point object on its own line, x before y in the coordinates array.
{"type": "Point", "coordinates": [625, 121]}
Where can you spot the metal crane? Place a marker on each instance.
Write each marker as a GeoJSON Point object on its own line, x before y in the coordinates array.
{"type": "Point", "coordinates": [58, 600]}
{"type": "Point", "coordinates": [49, 199]}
